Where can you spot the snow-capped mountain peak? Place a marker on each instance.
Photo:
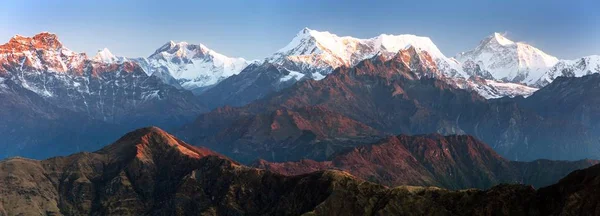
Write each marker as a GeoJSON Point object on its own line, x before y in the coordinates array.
{"type": "Point", "coordinates": [185, 50]}
{"type": "Point", "coordinates": [321, 51]}
{"type": "Point", "coordinates": [43, 52]}
{"type": "Point", "coordinates": [335, 49]}
{"type": "Point", "coordinates": [41, 41]}
{"type": "Point", "coordinates": [167, 46]}
{"type": "Point", "coordinates": [506, 60]}
{"type": "Point", "coordinates": [105, 56]}
{"type": "Point", "coordinates": [495, 41]}
{"type": "Point", "coordinates": [395, 43]}
{"type": "Point", "coordinates": [194, 65]}
{"type": "Point", "coordinates": [500, 39]}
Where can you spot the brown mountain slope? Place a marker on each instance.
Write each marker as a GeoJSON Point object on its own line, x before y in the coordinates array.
{"type": "Point", "coordinates": [280, 135]}
{"type": "Point", "coordinates": [149, 172]}
{"type": "Point", "coordinates": [455, 161]}
{"type": "Point", "coordinates": [386, 95]}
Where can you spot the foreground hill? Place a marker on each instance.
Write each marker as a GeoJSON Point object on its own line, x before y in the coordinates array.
{"type": "Point", "coordinates": [149, 172]}
{"type": "Point", "coordinates": [455, 161]}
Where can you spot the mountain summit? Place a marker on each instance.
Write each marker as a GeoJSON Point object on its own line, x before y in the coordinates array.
{"type": "Point", "coordinates": [508, 61]}
{"type": "Point", "coordinates": [105, 56]}
{"type": "Point", "coordinates": [43, 40]}
{"type": "Point", "coordinates": [195, 67]}
{"type": "Point", "coordinates": [321, 52]}
{"type": "Point", "coordinates": [500, 39]}
{"type": "Point", "coordinates": [42, 52]}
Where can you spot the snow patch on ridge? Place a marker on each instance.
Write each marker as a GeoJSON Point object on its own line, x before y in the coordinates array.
{"type": "Point", "coordinates": [318, 76]}
{"type": "Point", "coordinates": [511, 89]}
{"type": "Point", "coordinates": [292, 75]}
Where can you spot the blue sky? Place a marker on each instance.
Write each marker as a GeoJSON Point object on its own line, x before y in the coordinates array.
{"type": "Point", "coordinates": [256, 29]}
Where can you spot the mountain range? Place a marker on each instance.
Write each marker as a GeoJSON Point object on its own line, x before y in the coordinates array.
{"type": "Point", "coordinates": [365, 89]}
{"type": "Point", "coordinates": [313, 54]}
{"type": "Point", "coordinates": [496, 68]}
{"type": "Point", "coordinates": [383, 96]}
{"type": "Point", "coordinates": [508, 68]}
{"type": "Point", "coordinates": [150, 172]}
{"type": "Point", "coordinates": [55, 99]}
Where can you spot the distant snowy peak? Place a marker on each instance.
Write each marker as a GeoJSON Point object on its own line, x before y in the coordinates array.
{"type": "Point", "coordinates": [347, 46]}
{"type": "Point", "coordinates": [194, 66]}
{"type": "Point", "coordinates": [314, 50]}
{"type": "Point", "coordinates": [506, 60]}
{"type": "Point", "coordinates": [105, 56]}
{"type": "Point", "coordinates": [395, 43]}
{"type": "Point", "coordinates": [318, 51]}
{"type": "Point", "coordinates": [182, 50]}
{"type": "Point", "coordinates": [571, 68]}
